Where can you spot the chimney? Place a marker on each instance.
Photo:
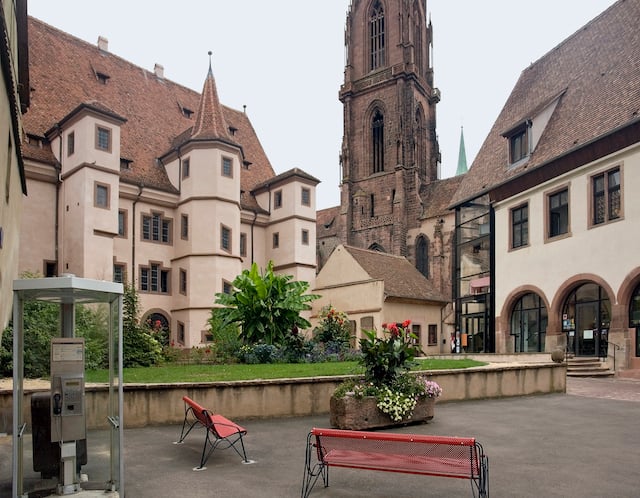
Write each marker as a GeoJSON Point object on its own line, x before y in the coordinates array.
{"type": "Point", "coordinates": [159, 70]}
{"type": "Point", "coordinates": [103, 44]}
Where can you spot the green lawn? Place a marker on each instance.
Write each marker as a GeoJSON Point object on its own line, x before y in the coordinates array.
{"type": "Point", "coordinates": [211, 373]}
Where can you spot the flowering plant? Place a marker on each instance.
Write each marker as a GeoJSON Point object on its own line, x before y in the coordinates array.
{"type": "Point", "coordinates": [387, 361]}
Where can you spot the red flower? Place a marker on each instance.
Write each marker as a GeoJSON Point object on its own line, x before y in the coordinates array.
{"type": "Point", "coordinates": [406, 323]}
{"type": "Point", "coordinates": [384, 325]}
{"type": "Point", "coordinates": [393, 328]}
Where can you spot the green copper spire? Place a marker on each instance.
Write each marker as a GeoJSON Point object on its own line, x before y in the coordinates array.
{"type": "Point", "coordinates": [462, 156]}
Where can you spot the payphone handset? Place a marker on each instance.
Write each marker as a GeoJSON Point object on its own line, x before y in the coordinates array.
{"type": "Point", "coordinates": [67, 389]}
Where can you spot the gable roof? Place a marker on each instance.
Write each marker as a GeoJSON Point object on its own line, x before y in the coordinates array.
{"type": "Point", "coordinates": [595, 76]}
{"type": "Point", "coordinates": [64, 75]}
{"type": "Point", "coordinates": [401, 278]}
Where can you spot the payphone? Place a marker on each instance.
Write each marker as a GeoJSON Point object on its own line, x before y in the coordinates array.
{"type": "Point", "coordinates": [68, 419]}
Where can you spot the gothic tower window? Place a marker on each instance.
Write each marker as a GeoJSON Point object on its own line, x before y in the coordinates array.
{"type": "Point", "coordinates": [376, 36]}
{"type": "Point", "coordinates": [422, 255]}
{"type": "Point", "coordinates": [378, 142]}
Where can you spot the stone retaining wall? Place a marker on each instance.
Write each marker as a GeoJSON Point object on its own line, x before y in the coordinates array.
{"type": "Point", "coordinates": [158, 404]}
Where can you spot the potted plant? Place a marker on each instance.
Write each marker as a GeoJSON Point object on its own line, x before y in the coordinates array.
{"type": "Point", "coordinates": [388, 394]}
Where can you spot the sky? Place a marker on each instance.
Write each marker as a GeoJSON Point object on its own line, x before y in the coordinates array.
{"type": "Point", "coordinates": [284, 61]}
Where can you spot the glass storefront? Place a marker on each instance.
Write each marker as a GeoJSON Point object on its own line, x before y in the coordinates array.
{"type": "Point", "coordinates": [529, 324]}
{"type": "Point", "coordinates": [585, 319]}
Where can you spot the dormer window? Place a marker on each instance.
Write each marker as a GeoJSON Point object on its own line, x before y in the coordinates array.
{"type": "Point", "coordinates": [187, 113]}
{"type": "Point", "coordinates": [102, 77]}
{"type": "Point", "coordinates": [125, 164]}
{"type": "Point", "coordinates": [232, 130]}
{"type": "Point", "coordinates": [519, 142]}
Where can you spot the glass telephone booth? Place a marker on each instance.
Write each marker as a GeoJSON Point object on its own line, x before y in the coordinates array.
{"type": "Point", "coordinates": [66, 442]}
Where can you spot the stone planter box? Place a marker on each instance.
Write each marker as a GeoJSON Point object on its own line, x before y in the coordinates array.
{"type": "Point", "coordinates": [362, 414]}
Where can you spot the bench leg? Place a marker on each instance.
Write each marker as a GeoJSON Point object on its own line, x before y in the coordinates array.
{"type": "Point", "coordinates": [312, 471]}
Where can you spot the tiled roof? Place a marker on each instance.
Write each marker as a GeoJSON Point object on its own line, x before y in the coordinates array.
{"type": "Point", "coordinates": [64, 74]}
{"type": "Point", "coordinates": [436, 196]}
{"type": "Point", "coordinates": [327, 222]}
{"type": "Point", "coordinates": [596, 74]}
{"type": "Point", "coordinates": [401, 278]}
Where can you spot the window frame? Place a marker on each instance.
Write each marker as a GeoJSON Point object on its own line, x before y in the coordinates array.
{"type": "Point", "coordinates": [519, 226]}
{"type": "Point", "coordinates": [184, 226]}
{"type": "Point", "coordinates": [162, 223]}
{"type": "Point", "coordinates": [226, 234]}
{"type": "Point", "coordinates": [548, 236]}
{"type": "Point", "coordinates": [304, 237]}
{"type": "Point", "coordinates": [275, 240]}
{"type": "Point", "coordinates": [186, 168]}
{"type": "Point", "coordinates": [96, 198]}
{"type": "Point", "coordinates": [243, 244]}
{"type": "Point", "coordinates": [377, 43]}
{"type": "Point", "coordinates": [109, 134]}
{"type": "Point", "coordinates": [161, 271]}
{"type": "Point", "coordinates": [226, 161]}
{"type": "Point", "coordinates": [182, 283]}
{"type": "Point", "coordinates": [432, 334]}
{"type": "Point", "coordinates": [123, 269]}
{"type": "Point", "coordinates": [277, 199]}
{"type": "Point", "coordinates": [606, 194]}
{"type": "Point", "coordinates": [305, 192]}
{"type": "Point", "coordinates": [124, 231]}
{"type": "Point", "coordinates": [71, 143]}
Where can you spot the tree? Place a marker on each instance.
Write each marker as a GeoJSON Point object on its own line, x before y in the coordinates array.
{"type": "Point", "coordinates": [140, 348]}
{"type": "Point", "coordinates": [267, 306]}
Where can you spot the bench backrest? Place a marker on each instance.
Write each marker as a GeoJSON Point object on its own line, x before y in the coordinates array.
{"type": "Point", "coordinates": [410, 453]}
{"type": "Point", "coordinates": [217, 424]}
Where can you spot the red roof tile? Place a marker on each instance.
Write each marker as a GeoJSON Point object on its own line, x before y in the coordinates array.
{"type": "Point", "coordinates": [63, 73]}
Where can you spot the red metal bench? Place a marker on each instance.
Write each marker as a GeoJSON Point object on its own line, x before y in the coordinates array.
{"type": "Point", "coordinates": [459, 457]}
{"type": "Point", "coordinates": [219, 431]}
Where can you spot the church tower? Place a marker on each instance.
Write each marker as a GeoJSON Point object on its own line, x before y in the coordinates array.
{"type": "Point", "coordinates": [389, 146]}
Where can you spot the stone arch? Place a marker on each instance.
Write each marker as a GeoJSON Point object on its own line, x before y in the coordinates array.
{"type": "Point", "coordinates": [503, 321]}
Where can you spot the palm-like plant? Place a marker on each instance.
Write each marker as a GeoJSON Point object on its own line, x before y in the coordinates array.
{"type": "Point", "coordinates": [265, 305]}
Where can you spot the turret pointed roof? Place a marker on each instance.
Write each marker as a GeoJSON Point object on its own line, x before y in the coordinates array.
{"type": "Point", "coordinates": [210, 122]}
{"type": "Point", "coordinates": [462, 156]}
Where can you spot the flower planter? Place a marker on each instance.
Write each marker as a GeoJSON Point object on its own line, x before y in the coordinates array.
{"type": "Point", "coordinates": [352, 413]}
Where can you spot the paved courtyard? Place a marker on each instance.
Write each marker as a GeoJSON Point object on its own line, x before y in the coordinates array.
{"type": "Point", "coordinates": [584, 443]}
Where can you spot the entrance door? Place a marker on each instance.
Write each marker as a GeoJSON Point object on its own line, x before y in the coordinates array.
{"type": "Point", "coordinates": [587, 332]}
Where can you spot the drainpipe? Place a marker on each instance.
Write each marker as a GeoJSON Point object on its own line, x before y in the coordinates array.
{"type": "Point", "coordinates": [253, 223]}
{"type": "Point", "coordinates": [58, 167]}
{"type": "Point", "coordinates": [133, 234]}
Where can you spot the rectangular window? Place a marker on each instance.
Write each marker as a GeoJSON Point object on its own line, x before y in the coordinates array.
{"type": "Point", "coordinates": [184, 226]}
{"type": "Point", "coordinates": [71, 143]}
{"type": "Point", "coordinates": [183, 281]}
{"type": "Point", "coordinates": [227, 288]}
{"type": "Point", "coordinates": [227, 167]}
{"type": "Point", "coordinates": [432, 335]}
{"type": "Point", "coordinates": [243, 244]}
{"type": "Point", "coordinates": [50, 269]}
{"type": "Point", "coordinates": [277, 199]}
{"type": "Point", "coordinates": [276, 240]}
{"type": "Point", "coordinates": [520, 226]}
{"type": "Point", "coordinates": [185, 168]}
{"type": "Point", "coordinates": [306, 196]}
{"type": "Point", "coordinates": [122, 223]}
{"type": "Point", "coordinates": [305, 237]}
{"type": "Point", "coordinates": [225, 238]}
{"type": "Point", "coordinates": [103, 138]}
{"type": "Point", "coordinates": [606, 199]}
{"type": "Point", "coordinates": [101, 196]}
{"type": "Point", "coordinates": [417, 331]}
{"type": "Point", "coordinates": [156, 228]}
{"type": "Point", "coordinates": [180, 333]}
{"type": "Point", "coordinates": [154, 278]}
{"type": "Point", "coordinates": [518, 146]}
{"type": "Point", "coordinates": [558, 213]}
{"type": "Point", "coordinates": [119, 273]}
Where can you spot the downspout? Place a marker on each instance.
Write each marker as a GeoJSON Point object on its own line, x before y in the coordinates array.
{"type": "Point", "coordinates": [133, 234]}
{"type": "Point", "coordinates": [253, 223]}
{"type": "Point", "coordinates": [58, 167]}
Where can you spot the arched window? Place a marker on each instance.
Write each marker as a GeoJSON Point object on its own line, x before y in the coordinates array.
{"type": "Point", "coordinates": [422, 255]}
{"type": "Point", "coordinates": [419, 141]}
{"type": "Point", "coordinates": [376, 247]}
{"type": "Point", "coordinates": [529, 324]}
{"type": "Point", "coordinates": [377, 135]}
{"type": "Point", "coordinates": [376, 36]}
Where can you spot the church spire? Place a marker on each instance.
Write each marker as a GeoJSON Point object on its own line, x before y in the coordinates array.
{"type": "Point", "coordinates": [210, 123]}
{"type": "Point", "coordinates": [462, 156]}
